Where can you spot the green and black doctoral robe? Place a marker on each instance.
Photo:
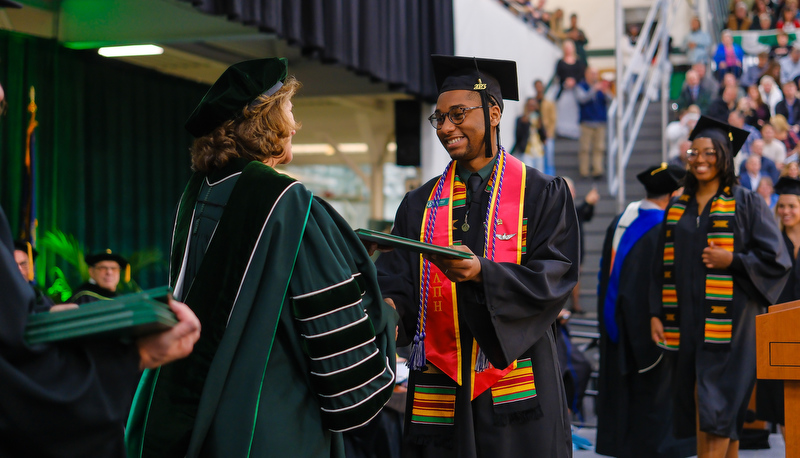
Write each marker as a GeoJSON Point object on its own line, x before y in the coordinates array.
{"type": "Point", "coordinates": [90, 292]}
{"type": "Point", "coordinates": [634, 398]}
{"type": "Point", "coordinates": [724, 379]}
{"type": "Point", "coordinates": [296, 344]}
{"type": "Point", "coordinates": [511, 315]}
{"type": "Point", "coordinates": [67, 399]}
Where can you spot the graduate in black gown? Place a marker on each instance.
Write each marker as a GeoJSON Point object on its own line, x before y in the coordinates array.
{"type": "Point", "coordinates": [70, 399]}
{"type": "Point", "coordinates": [105, 272]}
{"type": "Point", "coordinates": [485, 379]}
{"type": "Point", "coordinates": [634, 405]}
{"type": "Point", "coordinates": [769, 393]}
{"type": "Point", "coordinates": [724, 261]}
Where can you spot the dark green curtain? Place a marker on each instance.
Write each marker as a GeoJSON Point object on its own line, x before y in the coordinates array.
{"type": "Point", "coordinates": [111, 149]}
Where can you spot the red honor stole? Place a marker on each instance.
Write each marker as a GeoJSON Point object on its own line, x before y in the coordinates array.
{"type": "Point", "coordinates": [504, 243]}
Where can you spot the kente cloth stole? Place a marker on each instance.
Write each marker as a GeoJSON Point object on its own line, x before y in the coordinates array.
{"type": "Point", "coordinates": [719, 295]}
{"type": "Point", "coordinates": [437, 339]}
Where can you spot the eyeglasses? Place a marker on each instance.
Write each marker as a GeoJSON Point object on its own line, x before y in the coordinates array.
{"type": "Point", "coordinates": [456, 115]}
{"type": "Point", "coordinates": [709, 155]}
{"type": "Point", "coordinates": [106, 268]}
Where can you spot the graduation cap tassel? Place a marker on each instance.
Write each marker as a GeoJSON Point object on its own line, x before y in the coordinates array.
{"type": "Point", "coordinates": [128, 273]}
{"type": "Point", "coordinates": [416, 360]}
{"type": "Point", "coordinates": [30, 261]}
{"type": "Point", "coordinates": [487, 139]}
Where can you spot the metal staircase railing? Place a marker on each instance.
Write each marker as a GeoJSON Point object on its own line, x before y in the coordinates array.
{"type": "Point", "coordinates": [650, 70]}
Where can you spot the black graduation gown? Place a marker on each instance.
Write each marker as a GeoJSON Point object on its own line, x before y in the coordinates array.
{"type": "Point", "coordinates": [511, 316]}
{"type": "Point", "coordinates": [724, 379]}
{"type": "Point", "coordinates": [634, 409]}
{"type": "Point", "coordinates": [61, 400]}
{"type": "Point", "coordinates": [90, 292]}
{"type": "Point", "coordinates": [769, 393]}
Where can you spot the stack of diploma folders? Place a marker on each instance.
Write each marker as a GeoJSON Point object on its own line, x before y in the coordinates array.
{"type": "Point", "coordinates": [124, 317]}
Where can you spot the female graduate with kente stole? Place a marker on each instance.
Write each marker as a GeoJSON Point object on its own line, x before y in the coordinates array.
{"type": "Point", "coordinates": [723, 262]}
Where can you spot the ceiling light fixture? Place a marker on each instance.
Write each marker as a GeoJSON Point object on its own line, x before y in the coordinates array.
{"type": "Point", "coordinates": [132, 50]}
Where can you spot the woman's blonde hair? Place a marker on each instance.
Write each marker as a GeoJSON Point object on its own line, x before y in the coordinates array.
{"type": "Point", "coordinates": [258, 133]}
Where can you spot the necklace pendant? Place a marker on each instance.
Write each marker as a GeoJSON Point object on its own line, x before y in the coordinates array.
{"type": "Point", "coordinates": [465, 226]}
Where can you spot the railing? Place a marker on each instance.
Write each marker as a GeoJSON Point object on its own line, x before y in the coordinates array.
{"type": "Point", "coordinates": [650, 70]}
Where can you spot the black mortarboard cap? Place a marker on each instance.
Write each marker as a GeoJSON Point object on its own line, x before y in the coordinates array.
{"type": "Point", "coordinates": [10, 4]}
{"type": "Point", "coordinates": [107, 255]}
{"type": "Point", "coordinates": [727, 134]}
{"type": "Point", "coordinates": [488, 77]}
{"type": "Point", "coordinates": [239, 85]}
{"type": "Point", "coordinates": [469, 73]}
{"type": "Point", "coordinates": [662, 179]}
{"type": "Point", "coordinates": [22, 245]}
{"type": "Point", "coordinates": [787, 185]}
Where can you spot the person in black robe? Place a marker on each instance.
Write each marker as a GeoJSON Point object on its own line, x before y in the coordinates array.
{"type": "Point", "coordinates": [715, 290]}
{"type": "Point", "coordinates": [104, 276]}
{"type": "Point", "coordinates": [70, 399]}
{"type": "Point", "coordinates": [769, 393]}
{"type": "Point", "coordinates": [508, 309]}
{"type": "Point", "coordinates": [24, 255]}
{"type": "Point", "coordinates": [633, 404]}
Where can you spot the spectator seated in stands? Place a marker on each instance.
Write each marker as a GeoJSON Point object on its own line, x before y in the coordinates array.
{"type": "Point", "coordinates": [770, 93]}
{"type": "Point", "coordinates": [693, 93]}
{"type": "Point", "coordinates": [751, 175]}
{"type": "Point", "coordinates": [682, 159]}
{"type": "Point", "coordinates": [756, 111]}
{"type": "Point", "coordinates": [765, 164]}
{"type": "Point", "coordinates": [697, 43]}
{"type": "Point", "coordinates": [763, 8]}
{"type": "Point", "coordinates": [790, 65]}
{"type": "Point", "coordinates": [762, 22]}
{"type": "Point", "coordinates": [788, 21]}
{"type": "Point", "coordinates": [781, 48]}
{"type": "Point", "coordinates": [720, 108]}
{"type": "Point", "coordinates": [728, 57]}
{"type": "Point", "coordinates": [791, 170]}
{"type": "Point", "coordinates": [773, 148]}
{"type": "Point", "coordinates": [753, 73]}
{"type": "Point", "coordinates": [740, 18]}
{"type": "Point", "coordinates": [789, 107]}
{"type": "Point", "coordinates": [766, 189]}
{"type": "Point", "coordinates": [785, 134]}
{"type": "Point", "coordinates": [730, 80]}
{"type": "Point", "coordinates": [706, 79]}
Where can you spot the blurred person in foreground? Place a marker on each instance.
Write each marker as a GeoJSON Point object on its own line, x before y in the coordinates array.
{"type": "Point", "coordinates": [70, 399]}
{"type": "Point", "coordinates": [297, 344]}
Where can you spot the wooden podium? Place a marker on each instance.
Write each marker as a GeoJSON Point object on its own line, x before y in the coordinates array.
{"type": "Point", "coordinates": [778, 358]}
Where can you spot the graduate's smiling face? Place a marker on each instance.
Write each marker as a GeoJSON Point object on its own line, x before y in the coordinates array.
{"type": "Point", "coordinates": [704, 165]}
{"type": "Point", "coordinates": [464, 141]}
{"type": "Point", "coordinates": [788, 210]}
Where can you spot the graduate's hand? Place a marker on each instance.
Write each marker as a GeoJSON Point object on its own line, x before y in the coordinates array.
{"type": "Point", "coordinates": [657, 330]}
{"type": "Point", "coordinates": [715, 257]}
{"type": "Point", "coordinates": [175, 343]}
{"type": "Point", "coordinates": [62, 307]}
{"type": "Point", "coordinates": [372, 247]}
{"type": "Point", "coordinates": [457, 269]}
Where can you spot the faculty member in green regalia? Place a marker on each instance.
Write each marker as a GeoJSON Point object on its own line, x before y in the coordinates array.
{"type": "Point", "coordinates": [297, 343]}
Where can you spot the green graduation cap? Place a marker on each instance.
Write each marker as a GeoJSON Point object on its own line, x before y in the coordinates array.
{"type": "Point", "coordinates": [488, 77]}
{"type": "Point", "coordinates": [237, 87]}
{"type": "Point", "coordinates": [661, 179]}
{"type": "Point", "coordinates": [727, 134]}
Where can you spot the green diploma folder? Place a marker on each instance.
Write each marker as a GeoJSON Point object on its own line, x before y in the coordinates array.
{"type": "Point", "coordinates": [395, 241]}
{"type": "Point", "coordinates": [127, 316]}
